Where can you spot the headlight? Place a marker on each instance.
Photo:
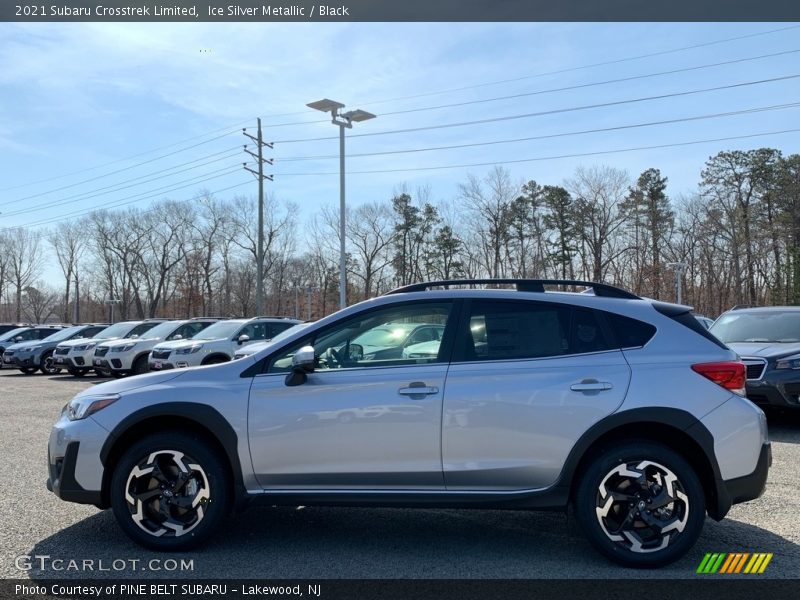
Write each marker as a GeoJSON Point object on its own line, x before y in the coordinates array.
{"type": "Point", "coordinates": [790, 362]}
{"type": "Point", "coordinates": [84, 347]}
{"type": "Point", "coordinates": [124, 348]}
{"type": "Point", "coordinates": [80, 408]}
{"type": "Point", "coordinates": [189, 349]}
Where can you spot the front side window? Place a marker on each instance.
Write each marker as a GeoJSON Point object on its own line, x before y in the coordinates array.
{"type": "Point", "coordinates": [378, 338]}
{"type": "Point", "coordinates": [255, 331]}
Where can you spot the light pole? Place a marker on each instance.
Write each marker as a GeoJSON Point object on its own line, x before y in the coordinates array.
{"type": "Point", "coordinates": [679, 267]}
{"type": "Point", "coordinates": [342, 120]}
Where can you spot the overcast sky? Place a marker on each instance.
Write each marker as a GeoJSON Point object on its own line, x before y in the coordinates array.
{"type": "Point", "coordinates": [76, 97]}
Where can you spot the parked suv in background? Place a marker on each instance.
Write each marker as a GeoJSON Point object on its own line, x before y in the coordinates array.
{"type": "Point", "coordinates": [129, 356]}
{"type": "Point", "coordinates": [78, 355]}
{"type": "Point", "coordinates": [625, 407]}
{"type": "Point", "coordinates": [218, 343]}
{"type": "Point", "coordinates": [6, 327]}
{"type": "Point", "coordinates": [24, 334]}
{"type": "Point", "coordinates": [251, 349]}
{"type": "Point", "coordinates": [33, 356]}
{"type": "Point", "coordinates": [768, 340]}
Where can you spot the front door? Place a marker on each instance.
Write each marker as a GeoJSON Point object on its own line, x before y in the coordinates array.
{"type": "Point", "coordinates": [367, 417]}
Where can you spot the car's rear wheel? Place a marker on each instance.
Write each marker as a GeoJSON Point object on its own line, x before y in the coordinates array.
{"type": "Point", "coordinates": [48, 366]}
{"type": "Point", "coordinates": [640, 504]}
{"type": "Point", "coordinates": [170, 491]}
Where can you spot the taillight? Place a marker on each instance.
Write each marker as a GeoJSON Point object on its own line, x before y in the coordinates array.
{"type": "Point", "coordinates": [731, 375]}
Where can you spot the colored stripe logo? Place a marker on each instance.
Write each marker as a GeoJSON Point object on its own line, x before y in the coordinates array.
{"type": "Point", "coordinates": [735, 562]}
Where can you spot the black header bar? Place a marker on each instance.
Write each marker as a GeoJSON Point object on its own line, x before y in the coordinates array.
{"type": "Point", "coordinates": [191, 11]}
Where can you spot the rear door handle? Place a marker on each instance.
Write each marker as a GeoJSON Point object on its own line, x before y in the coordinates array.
{"type": "Point", "coordinates": [591, 385]}
{"type": "Point", "coordinates": [418, 389]}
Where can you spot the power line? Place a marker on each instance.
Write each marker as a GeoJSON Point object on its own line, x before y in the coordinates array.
{"type": "Point", "coordinates": [545, 158]}
{"type": "Point", "coordinates": [558, 89]}
{"type": "Point", "coordinates": [128, 168]}
{"type": "Point", "coordinates": [547, 136]}
{"type": "Point", "coordinates": [132, 199]}
{"type": "Point", "coordinates": [119, 160]}
{"type": "Point", "coordinates": [578, 68]}
{"type": "Point", "coordinates": [228, 154]}
{"type": "Point", "coordinates": [550, 112]}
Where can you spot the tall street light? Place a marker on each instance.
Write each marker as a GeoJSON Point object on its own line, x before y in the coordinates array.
{"type": "Point", "coordinates": [342, 120]}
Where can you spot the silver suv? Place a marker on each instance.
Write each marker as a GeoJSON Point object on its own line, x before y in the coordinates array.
{"type": "Point", "coordinates": [625, 408]}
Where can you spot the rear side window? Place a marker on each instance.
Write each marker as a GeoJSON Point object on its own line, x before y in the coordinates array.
{"type": "Point", "coordinates": [631, 333]}
{"type": "Point", "coordinates": [276, 328]}
{"type": "Point", "coordinates": [502, 330]}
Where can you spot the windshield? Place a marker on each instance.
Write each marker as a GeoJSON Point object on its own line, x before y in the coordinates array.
{"type": "Point", "coordinates": [64, 334]}
{"type": "Point", "coordinates": [391, 335]}
{"type": "Point", "coordinates": [140, 329]}
{"type": "Point", "coordinates": [9, 335]}
{"type": "Point", "coordinates": [222, 329]}
{"type": "Point", "coordinates": [779, 327]}
{"type": "Point", "coordinates": [115, 330]}
{"type": "Point", "coordinates": [162, 330]}
{"type": "Point", "coordinates": [287, 332]}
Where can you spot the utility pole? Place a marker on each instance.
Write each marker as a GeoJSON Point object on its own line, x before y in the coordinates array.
{"type": "Point", "coordinates": [259, 173]}
{"type": "Point", "coordinates": [309, 289]}
{"type": "Point", "coordinates": [76, 314]}
{"type": "Point", "coordinates": [679, 267]}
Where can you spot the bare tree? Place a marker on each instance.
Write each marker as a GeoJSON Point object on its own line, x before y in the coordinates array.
{"type": "Point", "coordinates": [69, 242]}
{"type": "Point", "coordinates": [25, 262]}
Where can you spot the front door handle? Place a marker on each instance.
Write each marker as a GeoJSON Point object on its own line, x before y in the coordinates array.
{"type": "Point", "coordinates": [418, 390]}
{"type": "Point", "coordinates": [591, 385]}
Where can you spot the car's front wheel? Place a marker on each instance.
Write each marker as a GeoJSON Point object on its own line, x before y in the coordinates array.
{"type": "Point", "coordinates": [641, 504]}
{"type": "Point", "coordinates": [170, 491]}
{"type": "Point", "coordinates": [49, 367]}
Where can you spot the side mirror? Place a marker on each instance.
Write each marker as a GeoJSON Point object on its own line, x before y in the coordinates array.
{"type": "Point", "coordinates": [302, 364]}
{"type": "Point", "coordinates": [356, 352]}
{"type": "Point", "coordinates": [243, 338]}
{"type": "Point", "coordinates": [18, 338]}
{"type": "Point", "coordinates": [178, 337]}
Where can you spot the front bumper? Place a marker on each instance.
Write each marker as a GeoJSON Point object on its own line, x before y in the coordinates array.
{"type": "Point", "coordinates": [75, 472]}
{"type": "Point", "coordinates": [23, 360]}
{"type": "Point", "coordinates": [776, 388]}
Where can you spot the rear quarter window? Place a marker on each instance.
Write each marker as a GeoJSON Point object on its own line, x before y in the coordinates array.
{"type": "Point", "coordinates": [630, 333]}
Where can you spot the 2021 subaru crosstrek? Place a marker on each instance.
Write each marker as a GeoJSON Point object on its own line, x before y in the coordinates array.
{"type": "Point", "coordinates": [625, 408]}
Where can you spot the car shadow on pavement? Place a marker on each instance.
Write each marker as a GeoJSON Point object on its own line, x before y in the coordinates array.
{"type": "Point", "coordinates": [321, 543]}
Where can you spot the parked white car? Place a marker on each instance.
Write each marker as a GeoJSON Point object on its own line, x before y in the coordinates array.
{"type": "Point", "coordinates": [77, 355]}
{"type": "Point", "coordinates": [218, 343]}
{"type": "Point", "coordinates": [130, 356]}
{"type": "Point", "coordinates": [251, 349]}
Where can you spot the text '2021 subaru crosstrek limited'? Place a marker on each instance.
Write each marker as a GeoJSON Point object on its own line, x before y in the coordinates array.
{"type": "Point", "coordinates": [625, 408]}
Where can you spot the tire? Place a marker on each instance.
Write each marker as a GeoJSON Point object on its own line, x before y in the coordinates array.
{"type": "Point", "coordinates": [140, 366]}
{"type": "Point", "coordinates": [48, 368]}
{"type": "Point", "coordinates": [28, 370]}
{"type": "Point", "coordinates": [612, 498]}
{"type": "Point", "coordinates": [142, 503]}
{"type": "Point", "coordinates": [102, 372]}
{"type": "Point", "coordinates": [77, 372]}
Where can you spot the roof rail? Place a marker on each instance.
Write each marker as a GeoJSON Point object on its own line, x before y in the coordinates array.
{"type": "Point", "coordinates": [207, 318]}
{"type": "Point", "coordinates": [273, 317]}
{"type": "Point", "coordinates": [522, 285]}
{"type": "Point", "coordinates": [740, 306]}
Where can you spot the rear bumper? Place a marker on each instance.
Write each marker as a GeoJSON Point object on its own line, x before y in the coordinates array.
{"type": "Point", "coordinates": [743, 489]}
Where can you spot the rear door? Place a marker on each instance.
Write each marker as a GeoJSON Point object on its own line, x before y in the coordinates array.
{"type": "Point", "coordinates": [527, 379]}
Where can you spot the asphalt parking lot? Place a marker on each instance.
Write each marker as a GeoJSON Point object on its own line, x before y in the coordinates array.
{"type": "Point", "coordinates": [346, 543]}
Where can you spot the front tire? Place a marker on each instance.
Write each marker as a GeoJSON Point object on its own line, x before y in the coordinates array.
{"type": "Point", "coordinates": [140, 366]}
{"type": "Point", "coordinates": [640, 504]}
{"type": "Point", "coordinates": [28, 370]}
{"type": "Point", "coordinates": [77, 372]}
{"type": "Point", "coordinates": [48, 366]}
{"type": "Point", "coordinates": [170, 491]}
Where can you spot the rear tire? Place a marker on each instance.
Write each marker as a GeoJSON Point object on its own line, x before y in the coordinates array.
{"type": "Point", "coordinates": [170, 491]}
{"type": "Point", "coordinates": [640, 504]}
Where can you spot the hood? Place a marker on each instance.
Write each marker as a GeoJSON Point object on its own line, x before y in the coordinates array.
{"type": "Point", "coordinates": [183, 343]}
{"type": "Point", "coordinates": [81, 341]}
{"type": "Point", "coordinates": [765, 349]}
{"type": "Point", "coordinates": [120, 386]}
{"type": "Point", "coordinates": [124, 341]}
{"type": "Point", "coordinates": [23, 345]}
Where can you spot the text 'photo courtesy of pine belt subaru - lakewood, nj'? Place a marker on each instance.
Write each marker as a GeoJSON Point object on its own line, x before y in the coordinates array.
{"type": "Point", "coordinates": [624, 408]}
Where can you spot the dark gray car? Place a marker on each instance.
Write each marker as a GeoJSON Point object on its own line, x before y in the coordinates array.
{"type": "Point", "coordinates": [768, 340]}
{"type": "Point", "coordinates": [37, 355]}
